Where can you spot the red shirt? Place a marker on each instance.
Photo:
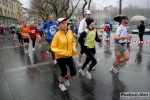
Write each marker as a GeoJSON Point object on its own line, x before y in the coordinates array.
{"type": "Point", "coordinates": [107, 27]}
{"type": "Point", "coordinates": [33, 31]}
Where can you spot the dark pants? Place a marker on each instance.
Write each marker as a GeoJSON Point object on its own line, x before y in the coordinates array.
{"type": "Point", "coordinates": [89, 57]}
{"type": "Point", "coordinates": [141, 36]}
{"type": "Point", "coordinates": [33, 42]}
{"type": "Point", "coordinates": [20, 38]}
{"type": "Point", "coordinates": [52, 53]}
{"type": "Point", "coordinates": [62, 62]}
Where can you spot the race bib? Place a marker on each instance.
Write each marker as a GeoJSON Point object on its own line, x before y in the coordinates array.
{"type": "Point", "coordinates": [32, 31]}
{"type": "Point", "coordinates": [52, 31]}
{"type": "Point", "coordinates": [26, 34]}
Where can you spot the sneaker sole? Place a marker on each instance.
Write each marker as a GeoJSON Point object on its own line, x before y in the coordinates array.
{"type": "Point", "coordinates": [62, 90]}
{"type": "Point", "coordinates": [81, 74]}
{"type": "Point", "coordinates": [113, 71]}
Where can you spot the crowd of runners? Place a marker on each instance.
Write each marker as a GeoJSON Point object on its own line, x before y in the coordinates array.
{"type": "Point", "coordinates": [62, 44]}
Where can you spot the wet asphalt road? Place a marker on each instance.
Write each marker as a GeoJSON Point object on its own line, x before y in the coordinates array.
{"type": "Point", "coordinates": [34, 77]}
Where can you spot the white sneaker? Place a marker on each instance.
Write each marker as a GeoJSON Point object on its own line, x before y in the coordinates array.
{"type": "Point", "coordinates": [93, 68]}
{"type": "Point", "coordinates": [67, 83]}
{"type": "Point", "coordinates": [48, 53]}
{"type": "Point", "coordinates": [79, 63]}
{"type": "Point", "coordinates": [55, 62]}
{"type": "Point", "coordinates": [33, 49]}
{"type": "Point", "coordinates": [62, 87]}
{"type": "Point", "coordinates": [88, 75]}
{"type": "Point", "coordinates": [88, 65]}
{"type": "Point", "coordinates": [26, 52]}
{"type": "Point", "coordinates": [40, 45]}
{"type": "Point", "coordinates": [114, 70]}
{"type": "Point", "coordinates": [81, 72]}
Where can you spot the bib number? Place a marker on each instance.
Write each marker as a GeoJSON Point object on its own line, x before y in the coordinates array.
{"type": "Point", "coordinates": [26, 34]}
{"type": "Point", "coordinates": [32, 31]}
{"type": "Point", "coordinates": [52, 31]}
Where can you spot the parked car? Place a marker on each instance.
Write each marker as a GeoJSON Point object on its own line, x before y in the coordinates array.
{"type": "Point", "coordinates": [147, 31]}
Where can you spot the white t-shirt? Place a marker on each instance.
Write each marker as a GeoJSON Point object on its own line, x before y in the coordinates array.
{"type": "Point", "coordinates": [121, 31]}
{"type": "Point", "coordinates": [82, 26]}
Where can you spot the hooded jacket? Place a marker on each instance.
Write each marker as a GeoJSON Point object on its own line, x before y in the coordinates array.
{"type": "Point", "coordinates": [63, 44]}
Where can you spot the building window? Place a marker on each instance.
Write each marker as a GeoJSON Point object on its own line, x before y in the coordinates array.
{"type": "Point", "coordinates": [3, 2]}
{"type": "Point", "coordinates": [8, 14]}
{"type": "Point", "coordinates": [5, 12]}
{"type": "Point", "coordinates": [6, 3]}
{"type": "Point", "coordinates": [1, 11]}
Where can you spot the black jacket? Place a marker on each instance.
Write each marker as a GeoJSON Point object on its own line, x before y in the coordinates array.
{"type": "Point", "coordinates": [141, 28]}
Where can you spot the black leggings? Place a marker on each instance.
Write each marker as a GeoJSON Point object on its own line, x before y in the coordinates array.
{"type": "Point", "coordinates": [89, 57]}
{"type": "Point", "coordinates": [62, 62]}
{"type": "Point", "coordinates": [33, 42]}
{"type": "Point", "coordinates": [52, 53]}
{"type": "Point", "coordinates": [20, 39]}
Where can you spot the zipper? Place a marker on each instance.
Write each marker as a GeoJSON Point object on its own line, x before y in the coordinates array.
{"type": "Point", "coordinates": [67, 39]}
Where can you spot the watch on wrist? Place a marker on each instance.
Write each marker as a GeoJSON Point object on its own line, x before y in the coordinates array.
{"type": "Point", "coordinates": [122, 38]}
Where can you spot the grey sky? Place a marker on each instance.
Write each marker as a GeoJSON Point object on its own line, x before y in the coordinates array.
{"type": "Point", "coordinates": [104, 3]}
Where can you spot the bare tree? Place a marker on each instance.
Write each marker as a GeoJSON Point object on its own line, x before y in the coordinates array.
{"type": "Point", "coordinates": [59, 8]}
{"type": "Point", "coordinates": [89, 4]}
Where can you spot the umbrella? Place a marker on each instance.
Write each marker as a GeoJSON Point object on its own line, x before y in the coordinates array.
{"type": "Point", "coordinates": [119, 17]}
{"type": "Point", "coordinates": [138, 18]}
{"type": "Point", "coordinates": [73, 20]}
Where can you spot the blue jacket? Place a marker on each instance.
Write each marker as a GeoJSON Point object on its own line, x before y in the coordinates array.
{"type": "Point", "coordinates": [50, 26]}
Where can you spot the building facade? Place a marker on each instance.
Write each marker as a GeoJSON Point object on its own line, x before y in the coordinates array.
{"type": "Point", "coordinates": [10, 12]}
{"type": "Point", "coordinates": [100, 16]}
{"type": "Point", "coordinates": [30, 15]}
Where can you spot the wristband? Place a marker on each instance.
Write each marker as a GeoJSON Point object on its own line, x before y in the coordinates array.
{"type": "Point", "coordinates": [122, 38]}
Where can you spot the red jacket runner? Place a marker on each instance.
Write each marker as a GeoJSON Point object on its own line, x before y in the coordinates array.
{"type": "Point", "coordinates": [33, 30]}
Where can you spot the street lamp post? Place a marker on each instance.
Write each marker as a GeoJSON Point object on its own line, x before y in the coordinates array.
{"type": "Point", "coordinates": [120, 6]}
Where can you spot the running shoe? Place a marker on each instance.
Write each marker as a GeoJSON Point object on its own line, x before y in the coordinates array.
{"type": "Point", "coordinates": [55, 62]}
{"type": "Point", "coordinates": [79, 63]}
{"type": "Point", "coordinates": [40, 45]}
{"type": "Point", "coordinates": [114, 70]}
{"type": "Point", "coordinates": [67, 83]}
{"type": "Point", "coordinates": [88, 75]}
{"type": "Point", "coordinates": [48, 53]}
{"type": "Point", "coordinates": [33, 49]}
{"type": "Point", "coordinates": [81, 72]}
{"type": "Point", "coordinates": [62, 87]}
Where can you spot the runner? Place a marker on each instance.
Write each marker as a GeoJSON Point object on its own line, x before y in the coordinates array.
{"type": "Point", "coordinates": [107, 29]}
{"type": "Point", "coordinates": [120, 45]}
{"type": "Point", "coordinates": [12, 31]}
{"type": "Point", "coordinates": [39, 32]}
{"type": "Point", "coordinates": [64, 46]}
{"type": "Point", "coordinates": [82, 27]}
{"type": "Point", "coordinates": [50, 29]}
{"type": "Point", "coordinates": [25, 30]}
{"type": "Point", "coordinates": [33, 30]}
{"type": "Point", "coordinates": [19, 35]}
{"type": "Point", "coordinates": [87, 41]}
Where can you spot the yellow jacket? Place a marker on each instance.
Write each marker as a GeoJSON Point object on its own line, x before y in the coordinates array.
{"type": "Point", "coordinates": [63, 44]}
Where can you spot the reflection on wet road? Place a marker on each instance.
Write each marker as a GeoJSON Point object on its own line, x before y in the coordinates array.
{"type": "Point", "coordinates": [34, 77]}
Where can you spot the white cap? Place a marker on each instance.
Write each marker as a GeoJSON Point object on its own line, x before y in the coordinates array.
{"type": "Point", "coordinates": [87, 12]}
{"type": "Point", "coordinates": [61, 19]}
